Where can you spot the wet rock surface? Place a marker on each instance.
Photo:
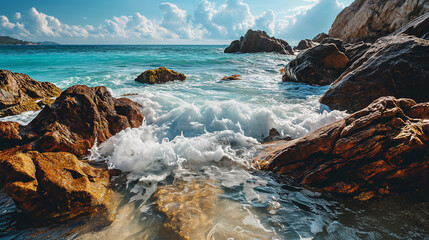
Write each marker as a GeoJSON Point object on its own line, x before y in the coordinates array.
{"type": "Point", "coordinates": [259, 41]}
{"type": "Point", "coordinates": [160, 75]}
{"type": "Point", "coordinates": [393, 66]}
{"type": "Point", "coordinates": [19, 93]}
{"type": "Point", "coordinates": [320, 65]}
{"type": "Point", "coordinates": [304, 44]}
{"type": "Point", "coordinates": [232, 77]}
{"type": "Point", "coordinates": [379, 150]}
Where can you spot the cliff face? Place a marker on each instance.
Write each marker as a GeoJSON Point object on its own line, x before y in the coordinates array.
{"type": "Point", "coordinates": [370, 19]}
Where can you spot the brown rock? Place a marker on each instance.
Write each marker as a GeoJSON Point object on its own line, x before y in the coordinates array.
{"type": "Point", "coordinates": [419, 27]}
{"type": "Point", "coordinates": [320, 65]}
{"type": "Point", "coordinates": [232, 77]}
{"type": "Point", "coordinates": [368, 20]}
{"type": "Point", "coordinates": [373, 152]}
{"type": "Point", "coordinates": [160, 75]}
{"type": "Point", "coordinates": [304, 44]}
{"type": "Point", "coordinates": [53, 185]}
{"type": "Point", "coordinates": [259, 41]}
{"type": "Point", "coordinates": [18, 93]}
{"type": "Point", "coordinates": [393, 66]}
{"type": "Point", "coordinates": [338, 42]}
{"type": "Point", "coordinates": [74, 121]}
{"type": "Point", "coordinates": [354, 51]}
{"type": "Point", "coordinates": [320, 37]}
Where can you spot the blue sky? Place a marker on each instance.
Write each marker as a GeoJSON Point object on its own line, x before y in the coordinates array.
{"type": "Point", "coordinates": [164, 22]}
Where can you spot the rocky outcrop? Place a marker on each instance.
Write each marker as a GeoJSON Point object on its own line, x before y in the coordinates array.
{"type": "Point", "coordinates": [379, 150]}
{"type": "Point", "coordinates": [394, 66]}
{"type": "Point", "coordinates": [419, 27]}
{"type": "Point", "coordinates": [354, 51]}
{"type": "Point", "coordinates": [304, 44]}
{"type": "Point", "coordinates": [54, 185]}
{"type": "Point", "coordinates": [259, 41]}
{"type": "Point", "coordinates": [319, 37]}
{"type": "Point", "coordinates": [368, 20]}
{"type": "Point", "coordinates": [19, 93]}
{"type": "Point", "coordinates": [160, 75]}
{"type": "Point", "coordinates": [78, 117]}
{"type": "Point", "coordinates": [320, 65]}
{"type": "Point", "coordinates": [338, 42]}
{"type": "Point", "coordinates": [232, 77]}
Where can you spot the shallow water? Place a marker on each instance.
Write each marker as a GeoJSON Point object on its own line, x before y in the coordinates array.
{"type": "Point", "coordinates": [202, 134]}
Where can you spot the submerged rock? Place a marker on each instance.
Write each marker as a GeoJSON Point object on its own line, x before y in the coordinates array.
{"type": "Point", "coordinates": [160, 75]}
{"type": "Point", "coordinates": [19, 93]}
{"type": "Point", "coordinates": [54, 185]}
{"type": "Point", "coordinates": [232, 77]}
{"type": "Point", "coordinates": [320, 65]}
{"type": "Point", "coordinates": [319, 37]}
{"type": "Point", "coordinates": [259, 41]}
{"type": "Point", "coordinates": [368, 20]}
{"type": "Point", "coordinates": [78, 118]}
{"type": "Point", "coordinates": [304, 44]}
{"type": "Point", "coordinates": [393, 66]}
{"type": "Point", "coordinates": [381, 149]}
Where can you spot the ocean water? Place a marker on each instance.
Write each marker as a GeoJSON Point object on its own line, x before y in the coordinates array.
{"type": "Point", "coordinates": [203, 134]}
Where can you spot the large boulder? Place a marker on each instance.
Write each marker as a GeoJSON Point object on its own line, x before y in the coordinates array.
{"type": "Point", "coordinates": [319, 37]}
{"type": "Point", "coordinates": [160, 75]}
{"type": "Point", "coordinates": [381, 149]}
{"type": "Point", "coordinates": [259, 41]}
{"type": "Point", "coordinates": [419, 27]}
{"type": "Point", "coordinates": [79, 116]}
{"type": "Point", "coordinates": [54, 185]}
{"type": "Point", "coordinates": [319, 65]}
{"type": "Point", "coordinates": [393, 66]}
{"type": "Point", "coordinates": [19, 93]}
{"type": "Point", "coordinates": [304, 44]}
{"type": "Point", "coordinates": [354, 51]}
{"type": "Point", "coordinates": [370, 19]}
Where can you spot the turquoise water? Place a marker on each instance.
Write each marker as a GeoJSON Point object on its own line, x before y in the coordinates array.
{"type": "Point", "coordinates": [205, 129]}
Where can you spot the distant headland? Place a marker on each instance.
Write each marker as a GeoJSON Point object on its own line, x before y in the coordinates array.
{"type": "Point", "coordinates": [5, 40]}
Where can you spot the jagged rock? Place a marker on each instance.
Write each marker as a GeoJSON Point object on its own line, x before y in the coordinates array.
{"type": "Point", "coordinates": [274, 135]}
{"type": "Point", "coordinates": [373, 152]}
{"type": "Point", "coordinates": [304, 44]}
{"type": "Point", "coordinates": [394, 66]}
{"type": "Point", "coordinates": [232, 77]}
{"type": "Point", "coordinates": [19, 93]}
{"type": "Point", "coordinates": [54, 185]}
{"type": "Point", "coordinates": [320, 65]}
{"type": "Point", "coordinates": [338, 42]}
{"type": "Point", "coordinates": [319, 37]}
{"type": "Point", "coordinates": [368, 20]}
{"type": "Point", "coordinates": [354, 51]}
{"type": "Point", "coordinates": [78, 117]}
{"type": "Point", "coordinates": [419, 27]}
{"type": "Point", "coordinates": [259, 41]}
{"type": "Point", "coordinates": [160, 75]}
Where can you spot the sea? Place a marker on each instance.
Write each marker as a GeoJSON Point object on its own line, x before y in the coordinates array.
{"type": "Point", "coordinates": [198, 142]}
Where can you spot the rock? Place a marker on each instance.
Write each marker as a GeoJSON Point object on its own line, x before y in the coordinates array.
{"type": "Point", "coordinates": [10, 135]}
{"type": "Point", "coordinates": [394, 66]}
{"type": "Point", "coordinates": [232, 77]}
{"type": "Point", "coordinates": [319, 37]}
{"type": "Point", "coordinates": [354, 51]}
{"type": "Point", "coordinates": [320, 65]}
{"type": "Point", "coordinates": [338, 42]}
{"type": "Point", "coordinates": [78, 117]}
{"type": "Point", "coordinates": [373, 152]}
{"type": "Point", "coordinates": [259, 41]}
{"type": "Point", "coordinates": [304, 44]}
{"type": "Point", "coordinates": [19, 93]}
{"type": "Point", "coordinates": [419, 27]}
{"type": "Point", "coordinates": [54, 185]}
{"type": "Point", "coordinates": [274, 135]}
{"type": "Point", "coordinates": [368, 20]}
{"type": "Point", "coordinates": [160, 75]}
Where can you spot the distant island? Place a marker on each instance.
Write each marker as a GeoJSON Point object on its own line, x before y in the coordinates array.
{"type": "Point", "coordinates": [5, 40]}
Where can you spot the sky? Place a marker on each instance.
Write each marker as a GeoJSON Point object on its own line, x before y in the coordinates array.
{"type": "Point", "coordinates": [164, 21]}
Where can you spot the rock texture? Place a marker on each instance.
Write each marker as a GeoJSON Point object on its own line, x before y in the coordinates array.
{"type": "Point", "coordinates": [160, 75]}
{"type": "Point", "coordinates": [232, 77]}
{"type": "Point", "coordinates": [79, 117]}
{"type": "Point", "coordinates": [419, 27]}
{"type": "Point", "coordinates": [379, 150]}
{"type": "Point", "coordinates": [354, 51]}
{"type": "Point", "coordinates": [394, 66]}
{"type": "Point", "coordinates": [259, 41]}
{"type": "Point", "coordinates": [304, 44]}
{"type": "Point", "coordinates": [19, 93]}
{"type": "Point", "coordinates": [53, 185]}
{"type": "Point", "coordinates": [370, 19]}
{"type": "Point", "coordinates": [320, 65]}
{"type": "Point", "coordinates": [319, 37]}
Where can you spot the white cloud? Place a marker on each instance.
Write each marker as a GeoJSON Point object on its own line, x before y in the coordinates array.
{"type": "Point", "coordinates": [267, 22]}
{"type": "Point", "coordinates": [17, 15]}
{"type": "Point", "coordinates": [5, 24]}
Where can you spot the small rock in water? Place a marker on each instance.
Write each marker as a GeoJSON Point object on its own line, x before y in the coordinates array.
{"type": "Point", "coordinates": [232, 77]}
{"type": "Point", "coordinates": [159, 75]}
